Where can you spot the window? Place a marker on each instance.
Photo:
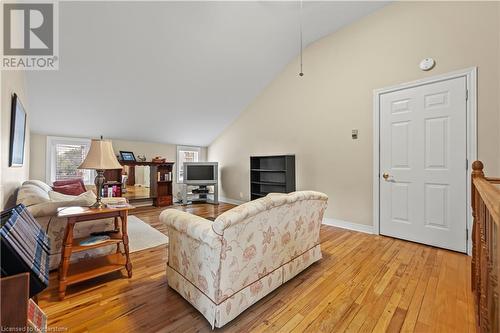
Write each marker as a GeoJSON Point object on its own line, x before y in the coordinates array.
{"type": "Point", "coordinates": [64, 155]}
{"type": "Point", "coordinates": [186, 154]}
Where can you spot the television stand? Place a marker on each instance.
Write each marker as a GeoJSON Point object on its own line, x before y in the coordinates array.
{"type": "Point", "coordinates": [200, 193]}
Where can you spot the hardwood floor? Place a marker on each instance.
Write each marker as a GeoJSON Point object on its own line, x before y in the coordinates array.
{"type": "Point", "coordinates": [364, 283]}
{"type": "Point", "coordinates": [137, 192]}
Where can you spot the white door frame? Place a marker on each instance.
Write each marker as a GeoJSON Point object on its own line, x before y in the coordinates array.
{"type": "Point", "coordinates": [470, 75]}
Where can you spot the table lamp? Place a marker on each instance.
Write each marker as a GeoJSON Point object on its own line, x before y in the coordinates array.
{"type": "Point", "coordinates": [99, 158]}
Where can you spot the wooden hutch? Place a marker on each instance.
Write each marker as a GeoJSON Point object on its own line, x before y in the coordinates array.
{"type": "Point", "coordinates": [160, 187]}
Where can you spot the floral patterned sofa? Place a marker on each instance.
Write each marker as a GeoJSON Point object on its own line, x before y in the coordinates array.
{"type": "Point", "coordinates": [225, 266]}
{"type": "Point", "coordinates": [43, 202]}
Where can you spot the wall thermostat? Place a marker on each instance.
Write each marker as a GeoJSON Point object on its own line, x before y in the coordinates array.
{"type": "Point", "coordinates": [427, 64]}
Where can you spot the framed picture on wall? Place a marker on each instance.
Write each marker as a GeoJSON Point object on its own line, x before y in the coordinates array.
{"type": "Point", "coordinates": [127, 156]}
{"type": "Point", "coordinates": [17, 133]}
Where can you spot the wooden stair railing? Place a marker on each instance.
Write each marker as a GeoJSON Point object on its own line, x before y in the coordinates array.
{"type": "Point", "coordinates": [485, 267]}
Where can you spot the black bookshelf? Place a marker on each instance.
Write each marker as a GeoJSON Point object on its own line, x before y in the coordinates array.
{"type": "Point", "coordinates": [271, 174]}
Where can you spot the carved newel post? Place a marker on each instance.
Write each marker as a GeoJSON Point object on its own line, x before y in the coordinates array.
{"type": "Point", "coordinates": [477, 172]}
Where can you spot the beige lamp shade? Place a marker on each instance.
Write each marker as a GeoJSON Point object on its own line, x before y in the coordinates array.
{"type": "Point", "coordinates": [100, 157]}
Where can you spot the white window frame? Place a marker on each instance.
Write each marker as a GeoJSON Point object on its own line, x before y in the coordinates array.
{"type": "Point", "coordinates": [185, 148]}
{"type": "Point", "coordinates": [52, 141]}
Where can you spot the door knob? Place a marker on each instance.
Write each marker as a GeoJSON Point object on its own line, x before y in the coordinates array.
{"type": "Point", "coordinates": [385, 175]}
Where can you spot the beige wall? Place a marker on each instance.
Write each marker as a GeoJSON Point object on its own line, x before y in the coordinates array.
{"type": "Point", "coordinates": [12, 177]}
{"type": "Point", "coordinates": [313, 116]}
{"type": "Point", "coordinates": [150, 149]}
{"type": "Point", "coordinates": [37, 156]}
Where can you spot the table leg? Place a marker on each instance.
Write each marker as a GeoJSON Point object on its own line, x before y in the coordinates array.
{"type": "Point", "coordinates": [117, 226]}
{"type": "Point", "coordinates": [128, 264]}
{"type": "Point", "coordinates": [65, 256]}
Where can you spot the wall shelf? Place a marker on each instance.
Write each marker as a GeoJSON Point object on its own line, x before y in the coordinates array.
{"type": "Point", "coordinates": [270, 174]}
{"type": "Point", "coordinates": [269, 183]}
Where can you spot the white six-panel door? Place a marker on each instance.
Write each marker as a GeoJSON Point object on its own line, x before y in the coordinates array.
{"type": "Point", "coordinates": [423, 156]}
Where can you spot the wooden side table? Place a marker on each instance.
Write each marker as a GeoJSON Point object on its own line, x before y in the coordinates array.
{"type": "Point", "coordinates": [91, 268]}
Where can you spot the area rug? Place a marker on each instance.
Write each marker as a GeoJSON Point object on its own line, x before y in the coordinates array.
{"type": "Point", "coordinates": [143, 236]}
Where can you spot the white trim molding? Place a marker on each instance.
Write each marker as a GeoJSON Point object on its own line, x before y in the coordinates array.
{"type": "Point", "coordinates": [50, 154]}
{"type": "Point", "coordinates": [178, 149]}
{"type": "Point", "coordinates": [367, 229]}
{"type": "Point", "coordinates": [231, 201]}
{"type": "Point", "coordinates": [470, 75]}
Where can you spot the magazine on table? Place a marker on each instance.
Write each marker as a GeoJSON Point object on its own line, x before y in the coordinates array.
{"type": "Point", "coordinates": [115, 202]}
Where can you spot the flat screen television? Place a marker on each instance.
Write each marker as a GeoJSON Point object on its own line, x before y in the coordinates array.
{"type": "Point", "coordinates": [200, 172]}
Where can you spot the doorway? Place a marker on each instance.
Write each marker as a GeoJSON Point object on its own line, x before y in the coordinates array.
{"type": "Point", "coordinates": [424, 144]}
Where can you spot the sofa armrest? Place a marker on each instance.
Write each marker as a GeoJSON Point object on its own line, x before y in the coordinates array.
{"type": "Point", "coordinates": [50, 208]}
{"type": "Point", "coordinates": [192, 226]}
{"type": "Point", "coordinates": [194, 251]}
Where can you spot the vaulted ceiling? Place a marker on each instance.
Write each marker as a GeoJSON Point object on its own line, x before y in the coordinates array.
{"type": "Point", "coordinates": [173, 72]}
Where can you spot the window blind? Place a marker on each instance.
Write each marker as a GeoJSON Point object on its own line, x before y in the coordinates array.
{"type": "Point", "coordinates": [68, 158]}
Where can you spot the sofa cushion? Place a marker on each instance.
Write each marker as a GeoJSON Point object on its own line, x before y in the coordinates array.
{"type": "Point", "coordinates": [30, 194]}
{"type": "Point", "coordinates": [68, 182]}
{"type": "Point", "coordinates": [50, 208]}
{"type": "Point", "coordinates": [70, 189]}
{"type": "Point", "coordinates": [39, 184]}
{"type": "Point", "coordinates": [87, 197]}
{"type": "Point", "coordinates": [47, 208]}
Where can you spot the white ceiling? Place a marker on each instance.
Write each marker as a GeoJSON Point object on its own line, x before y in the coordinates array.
{"type": "Point", "coordinates": [169, 71]}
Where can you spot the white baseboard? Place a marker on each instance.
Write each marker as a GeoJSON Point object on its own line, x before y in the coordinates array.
{"type": "Point", "coordinates": [367, 229]}
{"type": "Point", "coordinates": [231, 201]}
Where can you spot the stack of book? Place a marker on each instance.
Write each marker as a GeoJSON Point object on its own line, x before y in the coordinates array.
{"type": "Point", "coordinates": [37, 319]}
{"type": "Point", "coordinates": [112, 189]}
{"type": "Point", "coordinates": [24, 247]}
{"type": "Point", "coordinates": [164, 177]}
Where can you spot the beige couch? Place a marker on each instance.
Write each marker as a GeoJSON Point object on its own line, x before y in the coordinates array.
{"type": "Point", "coordinates": [43, 203]}
{"type": "Point", "coordinates": [225, 266]}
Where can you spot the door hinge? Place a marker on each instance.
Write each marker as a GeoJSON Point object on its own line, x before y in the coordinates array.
{"type": "Point", "coordinates": [467, 234]}
{"type": "Point", "coordinates": [466, 94]}
{"type": "Point", "coordinates": [466, 164]}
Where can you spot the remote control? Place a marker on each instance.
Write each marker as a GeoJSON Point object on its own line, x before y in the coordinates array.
{"type": "Point", "coordinates": [105, 233]}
